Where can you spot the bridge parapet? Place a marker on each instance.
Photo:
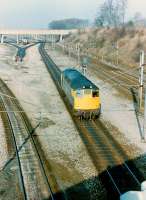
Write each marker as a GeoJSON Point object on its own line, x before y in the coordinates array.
{"type": "Point", "coordinates": [35, 33]}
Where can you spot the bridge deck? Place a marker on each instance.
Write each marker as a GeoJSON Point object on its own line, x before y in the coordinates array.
{"type": "Point", "coordinates": [36, 32]}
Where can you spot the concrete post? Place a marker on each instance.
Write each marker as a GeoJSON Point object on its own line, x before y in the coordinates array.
{"type": "Point", "coordinates": [61, 38]}
{"type": "Point", "coordinates": [78, 53]}
{"type": "Point", "coordinates": [17, 39]}
{"type": "Point", "coordinates": [53, 41]}
{"type": "Point", "coordinates": [141, 78]}
{"type": "Point", "coordinates": [84, 69]}
{"type": "Point", "coordinates": [36, 36]}
{"type": "Point", "coordinates": [2, 39]}
{"type": "Point", "coordinates": [22, 38]}
{"type": "Point", "coordinates": [117, 54]}
{"type": "Point", "coordinates": [144, 120]}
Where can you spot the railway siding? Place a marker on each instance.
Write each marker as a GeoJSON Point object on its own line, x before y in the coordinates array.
{"type": "Point", "coordinates": [32, 180]}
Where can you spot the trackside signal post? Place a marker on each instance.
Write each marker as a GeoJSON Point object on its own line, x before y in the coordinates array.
{"type": "Point", "coordinates": [84, 65]}
{"type": "Point", "coordinates": [141, 79]}
{"type": "Point", "coordinates": [116, 47]}
{"type": "Point", "coordinates": [84, 69]}
{"type": "Point", "coordinates": [144, 119]}
{"type": "Point", "coordinates": [117, 53]}
{"type": "Point", "coordinates": [141, 89]}
{"type": "Point", "coordinates": [78, 52]}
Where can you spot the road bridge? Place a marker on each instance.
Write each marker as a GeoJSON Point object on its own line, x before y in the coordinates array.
{"type": "Point", "coordinates": [37, 34]}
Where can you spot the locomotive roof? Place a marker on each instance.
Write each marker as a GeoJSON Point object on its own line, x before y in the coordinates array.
{"type": "Point", "coordinates": [77, 80]}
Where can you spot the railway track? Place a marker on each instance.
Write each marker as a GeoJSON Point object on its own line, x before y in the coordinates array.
{"type": "Point", "coordinates": [34, 183]}
{"type": "Point", "coordinates": [109, 159]}
{"type": "Point", "coordinates": [126, 82]}
{"type": "Point", "coordinates": [117, 75]}
{"type": "Point", "coordinates": [108, 156]}
{"type": "Point", "coordinates": [120, 79]}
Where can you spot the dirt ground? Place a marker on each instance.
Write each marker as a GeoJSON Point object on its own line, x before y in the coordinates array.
{"type": "Point", "coordinates": [63, 147]}
{"type": "Point", "coordinates": [103, 42]}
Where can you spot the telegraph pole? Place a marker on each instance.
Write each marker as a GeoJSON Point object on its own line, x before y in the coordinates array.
{"type": "Point", "coordinates": [78, 53]}
{"type": "Point", "coordinates": [84, 65]}
{"type": "Point", "coordinates": [53, 41]}
{"type": "Point", "coordinates": [117, 53]}
{"type": "Point", "coordinates": [115, 46]}
{"type": "Point", "coordinates": [141, 78]}
{"type": "Point", "coordinates": [144, 119]}
{"type": "Point", "coordinates": [84, 69]}
{"type": "Point", "coordinates": [69, 51]}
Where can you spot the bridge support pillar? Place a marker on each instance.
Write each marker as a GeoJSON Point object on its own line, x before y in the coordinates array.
{"type": "Point", "coordinates": [17, 39]}
{"type": "Point", "coordinates": [2, 39]}
{"type": "Point", "coordinates": [61, 38]}
{"type": "Point", "coordinates": [36, 37]}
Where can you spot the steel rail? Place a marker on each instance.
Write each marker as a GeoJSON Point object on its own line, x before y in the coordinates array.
{"type": "Point", "coordinates": [38, 154]}
{"type": "Point", "coordinates": [132, 174]}
{"type": "Point", "coordinates": [16, 150]}
{"type": "Point", "coordinates": [114, 183]}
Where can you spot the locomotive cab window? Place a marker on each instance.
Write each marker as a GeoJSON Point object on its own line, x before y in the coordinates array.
{"type": "Point", "coordinates": [87, 91]}
{"type": "Point", "coordinates": [95, 93]}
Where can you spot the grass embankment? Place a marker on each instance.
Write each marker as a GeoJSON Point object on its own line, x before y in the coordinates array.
{"type": "Point", "coordinates": [103, 43]}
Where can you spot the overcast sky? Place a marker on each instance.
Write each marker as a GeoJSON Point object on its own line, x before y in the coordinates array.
{"type": "Point", "coordinates": [38, 13]}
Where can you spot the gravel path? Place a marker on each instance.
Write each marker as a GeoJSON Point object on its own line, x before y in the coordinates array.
{"type": "Point", "coordinates": [5, 54]}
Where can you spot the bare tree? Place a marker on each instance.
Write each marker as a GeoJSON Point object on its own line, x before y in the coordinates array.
{"type": "Point", "coordinates": [139, 20]}
{"type": "Point", "coordinates": [112, 13]}
{"type": "Point", "coordinates": [122, 4]}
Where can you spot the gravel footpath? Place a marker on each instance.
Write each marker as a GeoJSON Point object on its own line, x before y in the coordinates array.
{"type": "Point", "coordinates": [5, 54]}
{"type": "Point", "coordinates": [3, 146]}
